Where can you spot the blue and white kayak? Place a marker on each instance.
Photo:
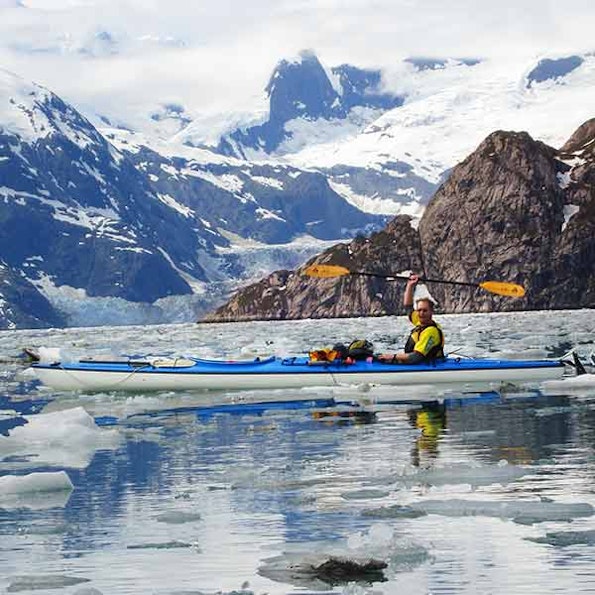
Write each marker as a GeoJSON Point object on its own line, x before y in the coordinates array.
{"type": "Point", "coordinates": [174, 374]}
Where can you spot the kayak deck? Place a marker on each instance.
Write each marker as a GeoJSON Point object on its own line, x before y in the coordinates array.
{"type": "Point", "coordinates": [274, 372]}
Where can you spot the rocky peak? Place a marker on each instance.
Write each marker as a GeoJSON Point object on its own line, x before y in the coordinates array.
{"type": "Point", "coordinates": [581, 140]}
{"type": "Point", "coordinates": [496, 217]}
{"type": "Point", "coordinates": [301, 88]}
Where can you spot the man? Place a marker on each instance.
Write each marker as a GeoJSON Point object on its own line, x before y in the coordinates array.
{"type": "Point", "coordinates": [426, 341]}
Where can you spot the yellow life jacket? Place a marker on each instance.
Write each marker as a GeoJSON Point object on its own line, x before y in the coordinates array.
{"type": "Point", "coordinates": [424, 339]}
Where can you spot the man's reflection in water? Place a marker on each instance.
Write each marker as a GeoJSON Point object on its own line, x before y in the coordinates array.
{"type": "Point", "coordinates": [431, 420]}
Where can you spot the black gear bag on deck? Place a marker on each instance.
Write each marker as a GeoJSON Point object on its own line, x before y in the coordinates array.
{"type": "Point", "coordinates": [360, 349]}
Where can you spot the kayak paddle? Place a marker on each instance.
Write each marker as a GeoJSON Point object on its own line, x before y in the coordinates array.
{"type": "Point", "coordinates": [498, 287]}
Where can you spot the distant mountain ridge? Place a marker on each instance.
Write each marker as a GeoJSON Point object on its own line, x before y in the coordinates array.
{"type": "Point", "coordinates": [129, 223]}
{"type": "Point", "coordinates": [549, 69]}
{"type": "Point", "coordinates": [515, 210]}
{"type": "Point", "coordinates": [91, 213]}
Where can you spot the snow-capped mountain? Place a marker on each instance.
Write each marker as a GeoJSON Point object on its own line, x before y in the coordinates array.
{"type": "Point", "coordinates": [309, 104]}
{"type": "Point", "coordinates": [386, 141]}
{"type": "Point", "coordinates": [178, 205]}
{"type": "Point", "coordinates": [450, 108]}
{"type": "Point", "coordinates": [85, 218]}
{"type": "Point", "coordinates": [302, 90]}
{"type": "Point", "coordinates": [77, 213]}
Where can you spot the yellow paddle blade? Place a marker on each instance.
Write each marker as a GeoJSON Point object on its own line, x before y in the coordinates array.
{"type": "Point", "coordinates": [326, 270]}
{"type": "Point", "coordinates": [503, 288]}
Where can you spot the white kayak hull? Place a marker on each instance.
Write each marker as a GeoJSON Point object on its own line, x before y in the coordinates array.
{"type": "Point", "coordinates": [276, 373]}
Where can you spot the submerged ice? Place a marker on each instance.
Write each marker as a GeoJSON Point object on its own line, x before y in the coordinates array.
{"type": "Point", "coordinates": [518, 510]}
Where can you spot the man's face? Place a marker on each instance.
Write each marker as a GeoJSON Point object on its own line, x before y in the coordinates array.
{"type": "Point", "coordinates": [424, 311]}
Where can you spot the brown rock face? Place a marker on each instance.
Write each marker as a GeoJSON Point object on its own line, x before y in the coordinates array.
{"type": "Point", "coordinates": [498, 215]}
{"type": "Point", "coordinates": [515, 210]}
{"type": "Point", "coordinates": [573, 268]}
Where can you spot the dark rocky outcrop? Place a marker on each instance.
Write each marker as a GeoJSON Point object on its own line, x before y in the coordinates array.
{"type": "Point", "coordinates": [515, 210]}
{"type": "Point", "coordinates": [498, 216]}
{"type": "Point", "coordinates": [573, 266]}
{"type": "Point", "coordinates": [521, 212]}
{"type": "Point", "coordinates": [337, 571]}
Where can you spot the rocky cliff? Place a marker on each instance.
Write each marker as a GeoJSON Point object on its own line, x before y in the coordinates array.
{"type": "Point", "coordinates": [515, 210]}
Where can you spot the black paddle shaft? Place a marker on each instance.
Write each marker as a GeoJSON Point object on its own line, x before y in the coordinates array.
{"type": "Point", "coordinates": [422, 279]}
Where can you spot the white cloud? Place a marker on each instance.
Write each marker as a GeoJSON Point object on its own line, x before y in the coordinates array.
{"type": "Point", "coordinates": [217, 56]}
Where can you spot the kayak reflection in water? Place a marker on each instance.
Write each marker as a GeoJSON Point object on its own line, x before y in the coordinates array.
{"type": "Point", "coordinates": [345, 417]}
{"type": "Point", "coordinates": [426, 341]}
{"type": "Point", "coordinates": [431, 420]}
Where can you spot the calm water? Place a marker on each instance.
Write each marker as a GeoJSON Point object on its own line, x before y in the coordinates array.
{"type": "Point", "coordinates": [250, 492]}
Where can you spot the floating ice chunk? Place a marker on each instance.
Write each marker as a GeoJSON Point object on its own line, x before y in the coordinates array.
{"type": "Point", "coordinates": [87, 591]}
{"type": "Point", "coordinates": [469, 475]}
{"type": "Point", "coordinates": [167, 545]}
{"type": "Point", "coordinates": [521, 352]}
{"type": "Point", "coordinates": [36, 491]}
{"type": "Point", "coordinates": [66, 438]}
{"type": "Point", "coordinates": [42, 581]}
{"type": "Point", "coordinates": [573, 384]}
{"type": "Point", "coordinates": [566, 538]}
{"type": "Point", "coordinates": [323, 571]}
{"type": "Point", "coordinates": [35, 482]}
{"type": "Point", "coordinates": [364, 494]}
{"type": "Point", "coordinates": [178, 517]}
{"type": "Point", "coordinates": [522, 511]}
{"type": "Point", "coordinates": [395, 511]}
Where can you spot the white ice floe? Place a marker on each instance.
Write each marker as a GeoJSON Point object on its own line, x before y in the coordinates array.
{"type": "Point", "coordinates": [468, 475]}
{"type": "Point", "coordinates": [66, 438]}
{"type": "Point", "coordinates": [35, 482]}
{"type": "Point", "coordinates": [38, 491]}
{"type": "Point", "coordinates": [528, 511]}
{"type": "Point", "coordinates": [35, 582]}
{"type": "Point", "coordinates": [572, 384]}
{"type": "Point", "coordinates": [178, 517]}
